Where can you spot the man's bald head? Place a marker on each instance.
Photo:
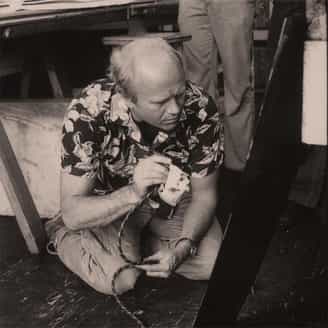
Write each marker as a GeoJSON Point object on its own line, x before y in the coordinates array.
{"type": "Point", "coordinates": [145, 59]}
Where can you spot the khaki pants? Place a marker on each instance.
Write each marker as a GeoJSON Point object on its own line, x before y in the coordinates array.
{"type": "Point", "coordinates": [223, 26]}
{"type": "Point", "coordinates": [93, 254]}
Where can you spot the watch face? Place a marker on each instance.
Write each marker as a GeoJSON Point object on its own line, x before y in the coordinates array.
{"type": "Point", "coordinates": [193, 251]}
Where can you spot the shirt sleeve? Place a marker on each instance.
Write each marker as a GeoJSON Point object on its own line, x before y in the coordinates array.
{"type": "Point", "coordinates": [81, 140]}
{"type": "Point", "coordinates": [207, 150]}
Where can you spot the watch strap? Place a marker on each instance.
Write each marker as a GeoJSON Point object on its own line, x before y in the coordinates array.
{"type": "Point", "coordinates": [193, 249]}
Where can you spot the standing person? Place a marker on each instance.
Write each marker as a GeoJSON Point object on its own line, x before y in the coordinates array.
{"type": "Point", "coordinates": [223, 26]}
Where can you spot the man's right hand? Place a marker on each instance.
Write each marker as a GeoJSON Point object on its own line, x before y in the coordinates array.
{"type": "Point", "coordinates": [150, 171]}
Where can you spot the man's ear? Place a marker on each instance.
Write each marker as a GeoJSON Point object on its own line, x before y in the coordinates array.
{"type": "Point", "coordinates": [129, 103]}
{"type": "Point", "coordinates": [132, 106]}
{"type": "Point", "coordinates": [125, 97]}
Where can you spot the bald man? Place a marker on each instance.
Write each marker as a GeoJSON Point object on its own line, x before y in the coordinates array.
{"type": "Point", "coordinates": [124, 141]}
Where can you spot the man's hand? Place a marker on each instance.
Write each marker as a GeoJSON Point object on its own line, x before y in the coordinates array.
{"type": "Point", "coordinates": [150, 171]}
{"type": "Point", "coordinates": [163, 263]}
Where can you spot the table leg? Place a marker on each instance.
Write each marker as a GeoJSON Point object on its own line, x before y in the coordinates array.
{"type": "Point", "coordinates": [19, 196]}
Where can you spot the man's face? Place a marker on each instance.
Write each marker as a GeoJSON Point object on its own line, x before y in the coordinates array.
{"type": "Point", "coordinates": [160, 94]}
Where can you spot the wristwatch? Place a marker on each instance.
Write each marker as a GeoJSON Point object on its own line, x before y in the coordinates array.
{"type": "Point", "coordinates": [193, 248]}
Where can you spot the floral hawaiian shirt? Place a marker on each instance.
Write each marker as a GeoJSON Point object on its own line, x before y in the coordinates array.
{"type": "Point", "coordinates": [100, 137]}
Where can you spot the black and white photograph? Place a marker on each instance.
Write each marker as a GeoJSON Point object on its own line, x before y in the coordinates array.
{"type": "Point", "coordinates": [163, 164]}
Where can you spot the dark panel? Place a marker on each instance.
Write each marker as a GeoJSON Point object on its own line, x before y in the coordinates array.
{"type": "Point", "coordinates": [264, 186]}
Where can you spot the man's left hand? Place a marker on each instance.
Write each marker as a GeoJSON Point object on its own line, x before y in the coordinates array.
{"type": "Point", "coordinates": [163, 263]}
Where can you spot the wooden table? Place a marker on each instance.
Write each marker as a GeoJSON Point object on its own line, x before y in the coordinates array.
{"type": "Point", "coordinates": [39, 21]}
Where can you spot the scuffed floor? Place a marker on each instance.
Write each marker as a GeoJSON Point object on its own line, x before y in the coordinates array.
{"type": "Point", "coordinates": [40, 292]}
{"type": "Point", "coordinates": [292, 285]}
{"type": "Point", "coordinates": [43, 293]}
{"type": "Point", "coordinates": [291, 288]}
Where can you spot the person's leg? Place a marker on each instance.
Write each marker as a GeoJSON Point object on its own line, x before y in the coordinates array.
{"type": "Point", "coordinates": [232, 25]}
{"type": "Point", "coordinates": [200, 54]}
{"type": "Point", "coordinates": [200, 266]}
{"type": "Point", "coordinates": [164, 233]}
{"type": "Point", "coordinates": [83, 254]}
{"type": "Point", "coordinates": [94, 256]}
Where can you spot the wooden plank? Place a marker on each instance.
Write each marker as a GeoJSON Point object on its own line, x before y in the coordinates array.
{"type": "Point", "coordinates": [42, 13]}
{"type": "Point", "coordinates": [170, 37]}
{"type": "Point", "coordinates": [314, 130]}
{"type": "Point", "coordinates": [53, 78]}
{"type": "Point", "coordinates": [99, 18]}
{"type": "Point", "coordinates": [11, 65]}
{"type": "Point", "coordinates": [19, 196]}
{"type": "Point", "coordinates": [34, 128]}
{"type": "Point", "coordinates": [25, 84]}
{"type": "Point", "coordinates": [29, 25]}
